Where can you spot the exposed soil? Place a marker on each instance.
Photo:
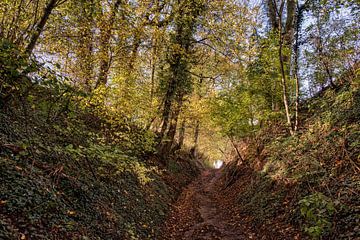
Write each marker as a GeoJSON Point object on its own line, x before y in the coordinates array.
{"type": "Point", "coordinates": [205, 210]}
{"type": "Point", "coordinates": [199, 213]}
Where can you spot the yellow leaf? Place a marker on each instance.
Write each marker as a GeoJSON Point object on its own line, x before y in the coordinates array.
{"type": "Point", "coordinates": [71, 213]}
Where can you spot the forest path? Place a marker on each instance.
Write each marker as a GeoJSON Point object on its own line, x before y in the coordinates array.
{"type": "Point", "coordinates": [201, 213]}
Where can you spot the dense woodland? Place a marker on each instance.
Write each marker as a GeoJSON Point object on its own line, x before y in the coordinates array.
{"type": "Point", "coordinates": [109, 108]}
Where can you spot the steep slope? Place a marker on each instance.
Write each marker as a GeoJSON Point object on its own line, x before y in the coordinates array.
{"type": "Point", "coordinates": [69, 172]}
{"type": "Point", "coordinates": [308, 182]}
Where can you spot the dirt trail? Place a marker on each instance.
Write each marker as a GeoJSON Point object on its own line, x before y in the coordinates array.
{"type": "Point", "coordinates": [200, 214]}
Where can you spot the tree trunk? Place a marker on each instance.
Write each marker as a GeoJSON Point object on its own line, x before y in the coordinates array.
{"type": "Point", "coordinates": [182, 133]}
{"type": "Point", "coordinates": [129, 78]}
{"type": "Point", "coordinates": [170, 136]}
{"type": "Point", "coordinates": [283, 74]}
{"type": "Point", "coordinates": [153, 69]}
{"type": "Point", "coordinates": [290, 20]}
{"type": "Point", "coordinates": [105, 35]}
{"type": "Point", "coordinates": [154, 45]}
{"type": "Point", "coordinates": [299, 19]}
{"type": "Point", "coordinates": [236, 149]}
{"type": "Point", "coordinates": [179, 80]}
{"type": "Point", "coordinates": [85, 50]}
{"type": "Point", "coordinates": [283, 81]}
{"type": "Point", "coordinates": [297, 95]}
{"type": "Point", "coordinates": [196, 139]}
{"type": "Point", "coordinates": [40, 27]}
{"type": "Point", "coordinates": [167, 142]}
{"type": "Point", "coordinates": [272, 13]}
{"type": "Point", "coordinates": [167, 107]}
{"type": "Point", "coordinates": [321, 53]}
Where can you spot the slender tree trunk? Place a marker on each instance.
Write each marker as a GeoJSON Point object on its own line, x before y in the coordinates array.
{"type": "Point", "coordinates": [297, 96]}
{"type": "Point", "coordinates": [275, 103]}
{"type": "Point", "coordinates": [129, 79]}
{"type": "Point", "coordinates": [321, 53]}
{"type": "Point", "coordinates": [283, 74]}
{"type": "Point", "coordinates": [194, 149]}
{"type": "Point", "coordinates": [24, 36]}
{"type": "Point", "coordinates": [275, 11]}
{"type": "Point", "coordinates": [328, 72]}
{"type": "Point", "coordinates": [290, 20]}
{"type": "Point", "coordinates": [272, 9]}
{"type": "Point", "coordinates": [285, 98]}
{"type": "Point", "coordinates": [299, 19]}
{"type": "Point", "coordinates": [40, 27]}
{"type": "Point", "coordinates": [182, 133]}
{"type": "Point", "coordinates": [236, 149]}
{"type": "Point", "coordinates": [152, 88]}
{"type": "Point", "coordinates": [105, 35]}
{"type": "Point", "coordinates": [153, 69]}
{"type": "Point", "coordinates": [167, 107]}
{"type": "Point", "coordinates": [85, 50]}
{"type": "Point", "coordinates": [297, 99]}
{"type": "Point", "coordinates": [154, 44]}
{"type": "Point", "coordinates": [170, 136]}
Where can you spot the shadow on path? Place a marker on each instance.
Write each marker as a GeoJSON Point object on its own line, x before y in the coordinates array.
{"type": "Point", "coordinates": [199, 213]}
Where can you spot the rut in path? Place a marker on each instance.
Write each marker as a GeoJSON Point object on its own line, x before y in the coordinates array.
{"type": "Point", "coordinates": [199, 213]}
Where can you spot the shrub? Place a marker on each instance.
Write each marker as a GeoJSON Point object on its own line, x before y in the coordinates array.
{"type": "Point", "coordinates": [317, 210]}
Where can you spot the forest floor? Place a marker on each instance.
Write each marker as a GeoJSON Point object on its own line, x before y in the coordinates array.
{"type": "Point", "coordinates": [205, 211]}
{"type": "Point", "coordinates": [201, 212]}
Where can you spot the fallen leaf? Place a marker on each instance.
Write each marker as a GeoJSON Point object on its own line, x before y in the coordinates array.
{"type": "Point", "coordinates": [71, 213]}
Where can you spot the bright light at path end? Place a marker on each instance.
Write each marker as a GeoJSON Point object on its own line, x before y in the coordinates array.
{"type": "Point", "coordinates": [217, 164]}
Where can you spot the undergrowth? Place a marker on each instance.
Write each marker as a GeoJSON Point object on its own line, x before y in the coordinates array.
{"type": "Point", "coordinates": [310, 180]}
{"type": "Point", "coordinates": [73, 167]}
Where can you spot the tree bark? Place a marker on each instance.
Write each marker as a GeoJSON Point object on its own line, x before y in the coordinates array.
{"type": "Point", "coordinates": [194, 149]}
{"type": "Point", "coordinates": [129, 78]}
{"type": "Point", "coordinates": [322, 55]}
{"type": "Point", "coordinates": [182, 133]}
{"type": "Point", "coordinates": [167, 107]}
{"type": "Point", "coordinates": [170, 136]}
{"type": "Point", "coordinates": [290, 20]}
{"type": "Point", "coordinates": [299, 19]}
{"type": "Point", "coordinates": [153, 69]}
{"type": "Point", "coordinates": [236, 149]}
{"type": "Point", "coordinates": [40, 26]}
{"type": "Point", "coordinates": [105, 36]}
{"type": "Point", "coordinates": [272, 13]}
{"type": "Point", "coordinates": [179, 81]}
{"type": "Point", "coordinates": [86, 45]}
{"type": "Point", "coordinates": [167, 141]}
{"type": "Point", "coordinates": [283, 81]}
{"type": "Point", "coordinates": [283, 74]}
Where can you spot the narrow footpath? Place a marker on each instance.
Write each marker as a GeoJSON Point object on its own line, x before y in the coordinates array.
{"type": "Point", "coordinates": [200, 213]}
